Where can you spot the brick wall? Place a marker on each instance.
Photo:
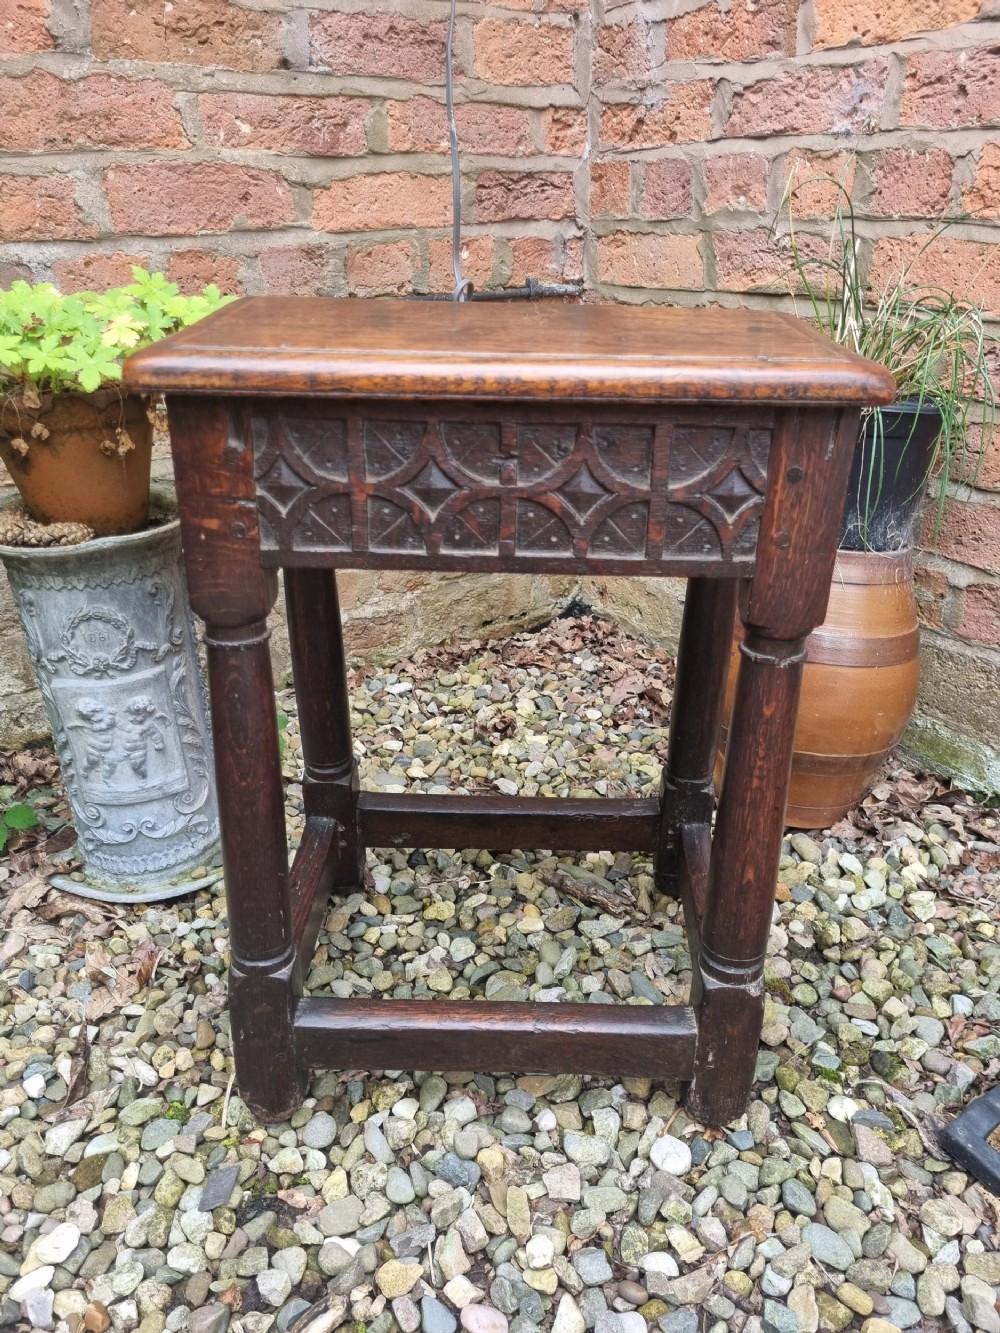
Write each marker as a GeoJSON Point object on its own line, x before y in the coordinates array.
{"type": "Point", "coordinates": [641, 147]}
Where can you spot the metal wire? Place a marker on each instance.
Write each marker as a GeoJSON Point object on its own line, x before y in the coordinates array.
{"type": "Point", "coordinates": [463, 287]}
{"type": "Point", "coordinates": [463, 290]}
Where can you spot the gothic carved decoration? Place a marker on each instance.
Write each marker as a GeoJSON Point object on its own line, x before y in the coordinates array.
{"type": "Point", "coordinates": [606, 492]}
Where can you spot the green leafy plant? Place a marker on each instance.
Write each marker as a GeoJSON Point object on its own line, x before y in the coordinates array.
{"type": "Point", "coordinates": [933, 342]}
{"type": "Point", "coordinates": [16, 818]}
{"type": "Point", "coordinates": [51, 343]}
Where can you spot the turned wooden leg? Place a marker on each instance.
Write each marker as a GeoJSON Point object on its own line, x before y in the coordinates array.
{"type": "Point", "coordinates": [687, 795]}
{"type": "Point", "coordinates": [255, 857]}
{"type": "Point", "coordinates": [330, 783]}
{"type": "Point", "coordinates": [729, 986]}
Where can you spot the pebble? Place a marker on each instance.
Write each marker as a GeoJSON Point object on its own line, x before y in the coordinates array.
{"type": "Point", "coordinates": [827, 1247]}
{"type": "Point", "coordinates": [435, 1317]}
{"type": "Point", "coordinates": [320, 1131]}
{"type": "Point", "coordinates": [399, 1187]}
{"type": "Point", "coordinates": [568, 1318]}
{"type": "Point", "coordinates": [592, 1266]}
{"type": "Point", "coordinates": [57, 1244]}
{"type": "Point", "coordinates": [670, 1155]}
{"type": "Point", "coordinates": [585, 1149]}
{"type": "Point", "coordinates": [563, 1182]}
{"type": "Point", "coordinates": [396, 1279]}
{"type": "Point", "coordinates": [548, 1201]}
{"type": "Point", "coordinates": [274, 1285]}
{"type": "Point", "coordinates": [483, 1319]}
{"type": "Point", "coordinates": [540, 1252]}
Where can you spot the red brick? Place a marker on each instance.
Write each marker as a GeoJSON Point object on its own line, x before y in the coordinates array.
{"type": "Point", "coordinates": [735, 181]}
{"type": "Point", "coordinates": [12, 270]}
{"type": "Point", "coordinates": [388, 199]}
{"type": "Point", "coordinates": [533, 257]}
{"type": "Point", "coordinates": [544, 260]}
{"type": "Point", "coordinates": [41, 208]}
{"type": "Point", "coordinates": [983, 197]}
{"type": "Point", "coordinates": [822, 182]}
{"type": "Point", "coordinates": [609, 190]}
{"type": "Point", "coordinates": [846, 99]}
{"type": "Point", "coordinates": [968, 269]}
{"type": "Point", "coordinates": [980, 467]}
{"type": "Point", "coordinates": [853, 22]}
{"type": "Point", "coordinates": [970, 533]}
{"type": "Point", "coordinates": [177, 199]}
{"type": "Point", "coordinates": [503, 196]}
{"type": "Point", "coordinates": [948, 90]}
{"type": "Point", "coordinates": [477, 254]}
{"type": "Point", "coordinates": [647, 259]}
{"type": "Point", "coordinates": [95, 272]}
{"type": "Point", "coordinates": [911, 184]}
{"type": "Point", "coordinates": [682, 115]}
{"type": "Point", "coordinates": [187, 32]}
{"type": "Point", "coordinates": [523, 54]}
{"type": "Point", "coordinates": [22, 26]}
{"type": "Point", "coordinates": [380, 45]}
{"type": "Point", "coordinates": [381, 270]}
{"type": "Point", "coordinates": [623, 51]}
{"type": "Point", "coordinates": [666, 189]}
{"type": "Point", "coordinates": [932, 593]}
{"type": "Point", "coordinates": [296, 270]}
{"type": "Point", "coordinates": [329, 126]}
{"type": "Point", "coordinates": [992, 371]}
{"type": "Point", "coordinates": [194, 269]}
{"type": "Point", "coordinates": [42, 113]}
{"type": "Point", "coordinates": [421, 125]}
{"type": "Point", "coordinates": [572, 259]}
{"type": "Point", "coordinates": [753, 261]}
{"type": "Point", "coordinates": [981, 616]}
{"type": "Point", "coordinates": [747, 30]}
{"type": "Point", "coordinates": [564, 131]}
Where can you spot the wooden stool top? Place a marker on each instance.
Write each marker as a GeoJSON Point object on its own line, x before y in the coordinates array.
{"type": "Point", "coordinates": [527, 351]}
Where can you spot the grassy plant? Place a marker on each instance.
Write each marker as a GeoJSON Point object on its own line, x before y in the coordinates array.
{"type": "Point", "coordinates": [934, 344]}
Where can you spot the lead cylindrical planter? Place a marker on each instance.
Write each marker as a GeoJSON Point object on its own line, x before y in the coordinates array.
{"type": "Point", "coordinates": [112, 641]}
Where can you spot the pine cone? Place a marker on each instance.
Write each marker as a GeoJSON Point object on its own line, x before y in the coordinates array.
{"type": "Point", "coordinates": [17, 529]}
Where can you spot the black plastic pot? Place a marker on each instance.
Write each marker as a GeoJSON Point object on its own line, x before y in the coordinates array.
{"type": "Point", "coordinates": [889, 478]}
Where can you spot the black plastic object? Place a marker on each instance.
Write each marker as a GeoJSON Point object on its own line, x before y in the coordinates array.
{"type": "Point", "coordinates": [965, 1139]}
{"type": "Point", "coordinates": [888, 478]}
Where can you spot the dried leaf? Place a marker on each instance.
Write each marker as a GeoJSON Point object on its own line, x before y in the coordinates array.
{"type": "Point", "coordinates": [629, 686]}
{"type": "Point", "coordinates": [79, 1062]}
{"type": "Point", "coordinates": [25, 895]}
{"type": "Point", "coordinates": [24, 768]}
{"type": "Point", "coordinates": [65, 905]}
{"type": "Point", "coordinates": [60, 840]}
{"type": "Point", "coordinates": [145, 958]}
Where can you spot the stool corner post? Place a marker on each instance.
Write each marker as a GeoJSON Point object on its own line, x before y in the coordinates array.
{"type": "Point", "coordinates": [730, 1015]}
{"type": "Point", "coordinates": [262, 1006]}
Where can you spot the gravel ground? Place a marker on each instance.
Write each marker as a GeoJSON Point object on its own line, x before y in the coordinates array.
{"type": "Point", "coordinates": [137, 1191]}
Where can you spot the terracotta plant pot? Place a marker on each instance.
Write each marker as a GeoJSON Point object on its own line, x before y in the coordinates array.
{"type": "Point", "coordinates": [859, 686]}
{"type": "Point", "coordinates": [76, 474]}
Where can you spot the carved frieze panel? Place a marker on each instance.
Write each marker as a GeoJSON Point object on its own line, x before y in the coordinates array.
{"type": "Point", "coordinates": [372, 481]}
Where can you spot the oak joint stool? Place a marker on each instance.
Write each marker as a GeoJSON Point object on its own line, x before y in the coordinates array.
{"type": "Point", "coordinates": [313, 435]}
